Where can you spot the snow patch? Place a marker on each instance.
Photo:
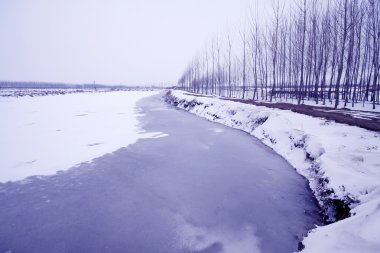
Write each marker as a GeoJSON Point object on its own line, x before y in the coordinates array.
{"type": "Point", "coordinates": [42, 135]}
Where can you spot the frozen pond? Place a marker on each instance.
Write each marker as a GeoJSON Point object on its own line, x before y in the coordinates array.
{"type": "Point", "coordinates": [202, 188]}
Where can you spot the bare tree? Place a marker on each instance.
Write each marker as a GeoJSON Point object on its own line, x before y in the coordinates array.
{"type": "Point", "coordinates": [317, 52]}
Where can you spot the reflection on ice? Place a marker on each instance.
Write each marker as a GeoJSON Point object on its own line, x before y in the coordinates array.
{"type": "Point", "coordinates": [153, 135]}
{"type": "Point", "coordinates": [215, 240]}
{"type": "Point", "coordinates": [217, 130]}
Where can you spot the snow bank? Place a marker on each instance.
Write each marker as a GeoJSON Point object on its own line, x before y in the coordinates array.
{"type": "Point", "coordinates": [42, 135]}
{"type": "Point", "coordinates": [341, 162]}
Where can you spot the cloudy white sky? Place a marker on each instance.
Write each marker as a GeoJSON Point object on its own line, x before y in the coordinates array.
{"type": "Point", "coordinates": [109, 41]}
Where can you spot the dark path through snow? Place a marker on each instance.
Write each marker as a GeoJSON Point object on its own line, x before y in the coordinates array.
{"type": "Point", "coordinates": [203, 188]}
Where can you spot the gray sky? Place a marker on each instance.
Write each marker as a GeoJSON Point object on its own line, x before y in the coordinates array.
{"type": "Point", "coordinates": [109, 41]}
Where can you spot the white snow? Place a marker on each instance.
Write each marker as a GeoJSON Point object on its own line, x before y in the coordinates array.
{"type": "Point", "coordinates": [347, 156]}
{"type": "Point", "coordinates": [45, 134]}
{"type": "Point", "coordinates": [359, 233]}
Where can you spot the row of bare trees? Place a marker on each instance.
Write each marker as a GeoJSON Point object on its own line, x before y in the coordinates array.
{"type": "Point", "coordinates": [325, 51]}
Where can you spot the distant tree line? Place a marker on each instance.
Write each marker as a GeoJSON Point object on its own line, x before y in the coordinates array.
{"type": "Point", "coordinates": [325, 51]}
{"type": "Point", "coordinates": [51, 85]}
{"type": "Point", "coordinates": [48, 85]}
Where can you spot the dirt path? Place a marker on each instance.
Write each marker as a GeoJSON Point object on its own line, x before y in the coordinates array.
{"type": "Point", "coordinates": [363, 119]}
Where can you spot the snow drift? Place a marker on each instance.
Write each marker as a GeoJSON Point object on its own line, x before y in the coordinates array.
{"type": "Point", "coordinates": [341, 162]}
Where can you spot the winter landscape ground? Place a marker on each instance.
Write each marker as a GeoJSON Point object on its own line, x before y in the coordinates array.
{"type": "Point", "coordinates": [60, 153]}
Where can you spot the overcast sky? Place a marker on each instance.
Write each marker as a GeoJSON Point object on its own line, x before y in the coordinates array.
{"type": "Point", "coordinates": [109, 41]}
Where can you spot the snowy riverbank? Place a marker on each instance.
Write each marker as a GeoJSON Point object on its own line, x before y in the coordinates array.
{"type": "Point", "coordinates": [42, 135]}
{"type": "Point", "coordinates": [341, 163]}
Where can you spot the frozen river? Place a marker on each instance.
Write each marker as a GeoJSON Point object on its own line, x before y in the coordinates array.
{"type": "Point", "coordinates": [202, 188]}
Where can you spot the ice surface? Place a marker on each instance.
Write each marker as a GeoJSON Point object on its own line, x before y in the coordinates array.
{"type": "Point", "coordinates": [42, 135]}
{"type": "Point", "coordinates": [164, 195]}
{"type": "Point", "coordinates": [203, 239]}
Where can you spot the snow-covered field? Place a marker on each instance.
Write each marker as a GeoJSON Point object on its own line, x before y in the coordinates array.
{"type": "Point", "coordinates": [42, 92]}
{"type": "Point", "coordinates": [45, 134]}
{"type": "Point", "coordinates": [341, 162]}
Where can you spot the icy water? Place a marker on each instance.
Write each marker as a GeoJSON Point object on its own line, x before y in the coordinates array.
{"type": "Point", "coordinates": [203, 188]}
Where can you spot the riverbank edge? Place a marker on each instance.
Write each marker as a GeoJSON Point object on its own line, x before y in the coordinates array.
{"type": "Point", "coordinates": [336, 203]}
